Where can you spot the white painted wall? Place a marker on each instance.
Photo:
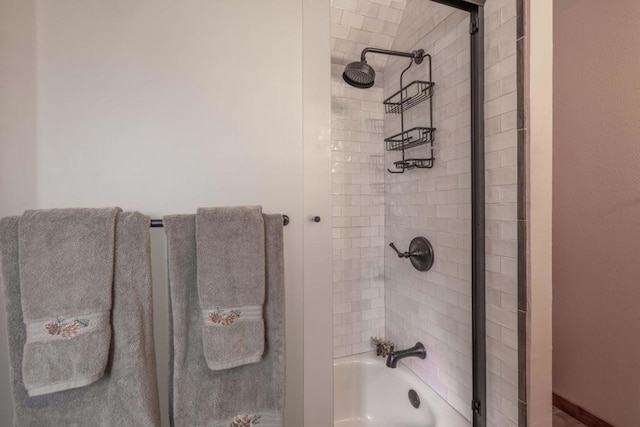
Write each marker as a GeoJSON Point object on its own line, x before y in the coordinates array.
{"type": "Point", "coordinates": [163, 107]}
{"type": "Point", "coordinates": [318, 331]}
{"type": "Point", "coordinates": [17, 138]}
{"type": "Point", "coordinates": [539, 107]}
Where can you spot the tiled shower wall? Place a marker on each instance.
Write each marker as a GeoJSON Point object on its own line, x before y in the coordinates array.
{"type": "Point", "coordinates": [501, 211]}
{"type": "Point", "coordinates": [358, 174]}
{"type": "Point", "coordinates": [433, 307]}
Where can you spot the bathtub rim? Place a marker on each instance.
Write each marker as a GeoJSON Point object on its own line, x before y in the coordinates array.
{"type": "Point", "coordinates": [436, 402]}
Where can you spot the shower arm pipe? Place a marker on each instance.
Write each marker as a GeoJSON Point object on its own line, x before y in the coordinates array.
{"type": "Point", "coordinates": [366, 50]}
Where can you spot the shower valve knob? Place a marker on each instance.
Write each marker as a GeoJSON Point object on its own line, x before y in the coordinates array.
{"type": "Point", "coordinates": [400, 254]}
{"type": "Point", "coordinates": [420, 253]}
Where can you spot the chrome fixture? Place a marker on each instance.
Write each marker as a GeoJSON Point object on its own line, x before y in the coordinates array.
{"type": "Point", "coordinates": [417, 350]}
{"type": "Point", "coordinates": [361, 75]}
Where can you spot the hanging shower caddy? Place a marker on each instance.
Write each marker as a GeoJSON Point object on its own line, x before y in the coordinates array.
{"type": "Point", "coordinates": [407, 97]}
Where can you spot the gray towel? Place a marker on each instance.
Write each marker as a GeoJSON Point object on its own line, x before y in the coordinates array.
{"type": "Point", "coordinates": [231, 275]}
{"type": "Point", "coordinates": [66, 277]}
{"type": "Point", "coordinates": [203, 397]}
{"type": "Point", "coordinates": [127, 393]}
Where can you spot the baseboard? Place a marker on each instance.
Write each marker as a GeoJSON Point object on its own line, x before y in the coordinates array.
{"type": "Point", "coordinates": [578, 413]}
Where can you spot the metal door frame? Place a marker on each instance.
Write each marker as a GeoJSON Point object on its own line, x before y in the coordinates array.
{"type": "Point", "coordinates": [478, 299]}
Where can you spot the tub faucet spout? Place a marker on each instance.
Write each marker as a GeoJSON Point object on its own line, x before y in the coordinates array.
{"type": "Point", "coordinates": [417, 350]}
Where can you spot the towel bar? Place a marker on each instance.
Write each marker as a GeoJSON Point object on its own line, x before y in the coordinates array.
{"type": "Point", "coordinates": [158, 222]}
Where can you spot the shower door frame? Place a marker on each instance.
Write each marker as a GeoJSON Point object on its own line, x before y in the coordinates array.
{"type": "Point", "coordinates": [478, 299]}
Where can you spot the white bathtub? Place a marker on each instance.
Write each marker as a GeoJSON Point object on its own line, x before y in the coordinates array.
{"type": "Point", "coordinates": [367, 393]}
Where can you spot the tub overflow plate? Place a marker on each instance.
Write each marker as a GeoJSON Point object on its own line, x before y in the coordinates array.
{"type": "Point", "coordinates": [414, 399]}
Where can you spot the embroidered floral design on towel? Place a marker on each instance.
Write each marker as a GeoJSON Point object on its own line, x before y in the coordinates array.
{"type": "Point", "coordinates": [245, 420]}
{"type": "Point", "coordinates": [224, 318]}
{"type": "Point", "coordinates": [65, 330]}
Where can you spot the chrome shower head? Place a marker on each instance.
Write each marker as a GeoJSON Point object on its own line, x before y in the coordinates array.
{"type": "Point", "coordinates": [359, 74]}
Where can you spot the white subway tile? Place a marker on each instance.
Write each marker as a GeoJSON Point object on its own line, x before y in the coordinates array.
{"type": "Point", "coordinates": [503, 247]}
{"type": "Point", "coordinates": [352, 20]}
{"type": "Point", "coordinates": [367, 8]}
{"type": "Point", "coordinates": [336, 17]}
{"type": "Point", "coordinates": [349, 5]}
{"type": "Point", "coordinates": [502, 176]}
{"type": "Point", "coordinates": [373, 25]}
{"type": "Point", "coordinates": [387, 13]}
{"type": "Point", "coordinates": [381, 2]}
{"type": "Point", "coordinates": [359, 36]}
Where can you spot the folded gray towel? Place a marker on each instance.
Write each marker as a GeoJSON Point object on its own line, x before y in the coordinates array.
{"type": "Point", "coordinates": [127, 393]}
{"type": "Point", "coordinates": [231, 275]}
{"type": "Point", "coordinates": [66, 277]}
{"type": "Point", "coordinates": [233, 397]}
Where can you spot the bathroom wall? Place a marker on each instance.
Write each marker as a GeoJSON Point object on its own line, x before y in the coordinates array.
{"type": "Point", "coordinates": [163, 107]}
{"type": "Point", "coordinates": [435, 307]}
{"type": "Point", "coordinates": [17, 105]}
{"type": "Point", "coordinates": [358, 173]}
{"type": "Point", "coordinates": [596, 207]}
{"type": "Point", "coordinates": [17, 138]}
